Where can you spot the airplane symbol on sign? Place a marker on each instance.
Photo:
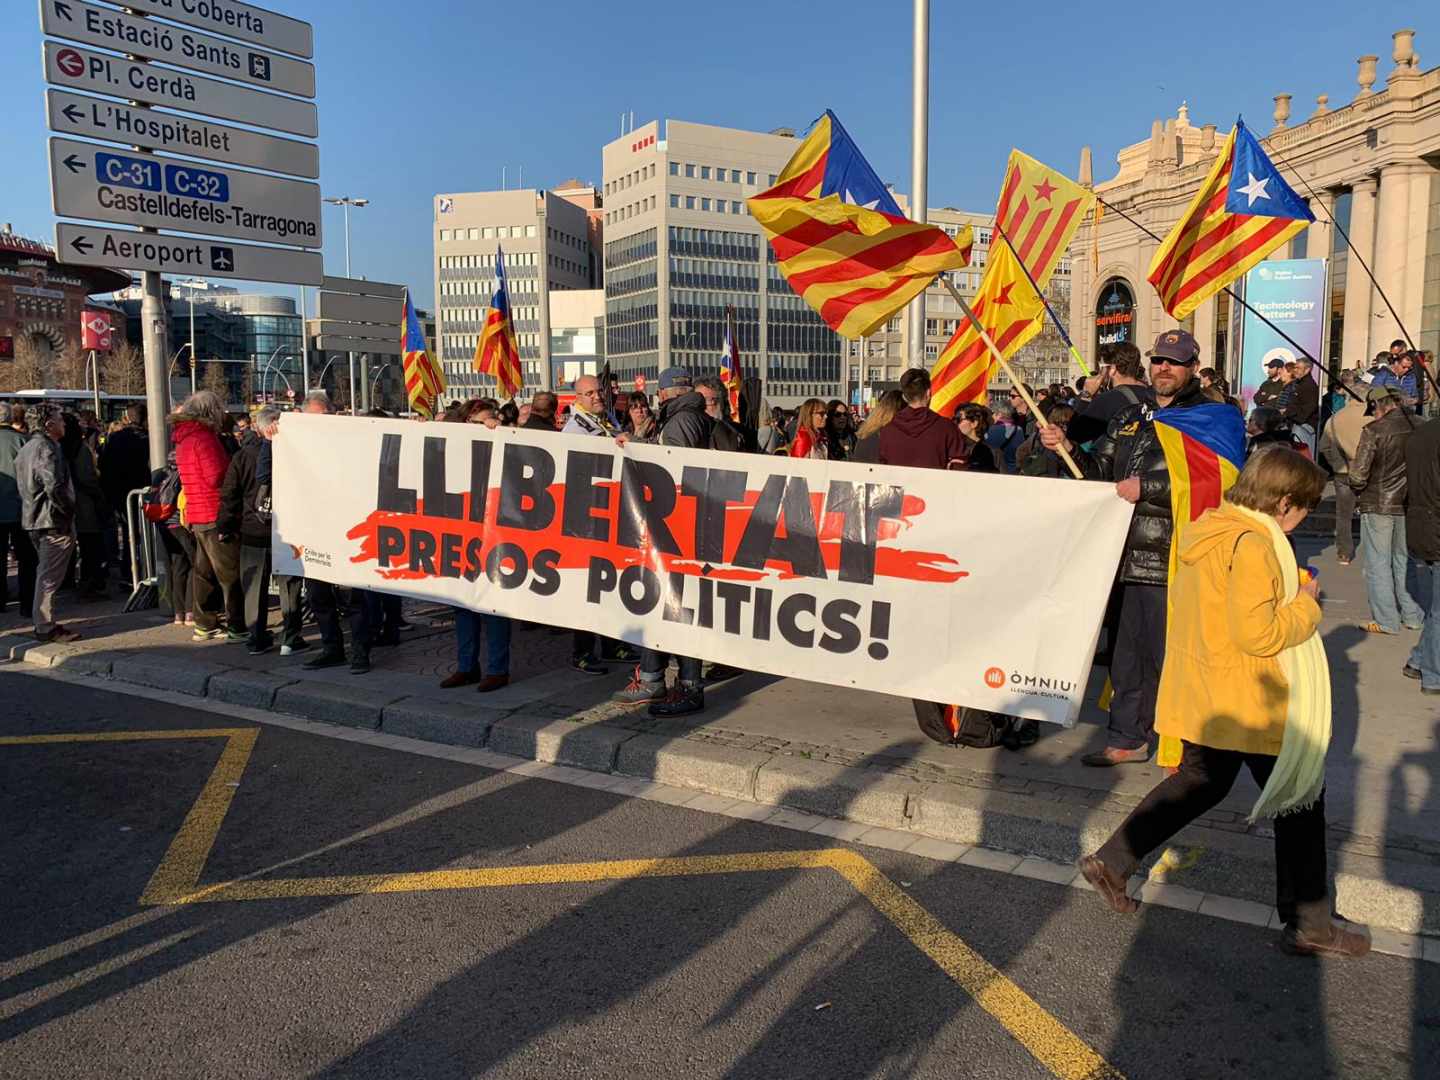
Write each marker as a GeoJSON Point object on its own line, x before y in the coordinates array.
{"type": "Point", "coordinates": [222, 258]}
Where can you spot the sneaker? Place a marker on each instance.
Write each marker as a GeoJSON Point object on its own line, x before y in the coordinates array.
{"type": "Point", "coordinates": [298, 645]}
{"type": "Point", "coordinates": [189, 620]}
{"type": "Point", "coordinates": [686, 700]}
{"type": "Point", "coordinates": [236, 635]}
{"type": "Point", "coordinates": [1410, 672]}
{"type": "Point", "coordinates": [179, 620]}
{"type": "Point", "coordinates": [360, 664]}
{"type": "Point", "coordinates": [1339, 939]}
{"type": "Point", "coordinates": [639, 692]}
{"type": "Point", "coordinates": [261, 647]}
{"type": "Point", "coordinates": [207, 635]}
{"type": "Point", "coordinates": [623, 654]}
{"type": "Point", "coordinates": [587, 665]}
{"type": "Point", "coordinates": [326, 659]}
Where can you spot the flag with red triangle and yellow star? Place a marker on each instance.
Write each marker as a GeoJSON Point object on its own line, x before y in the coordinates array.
{"type": "Point", "coordinates": [1037, 215]}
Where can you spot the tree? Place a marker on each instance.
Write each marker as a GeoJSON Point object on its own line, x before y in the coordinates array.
{"type": "Point", "coordinates": [214, 379]}
{"type": "Point", "coordinates": [70, 370]}
{"type": "Point", "coordinates": [27, 371]}
{"type": "Point", "coordinates": [124, 371]}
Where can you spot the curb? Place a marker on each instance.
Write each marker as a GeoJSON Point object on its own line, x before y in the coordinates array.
{"type": "Point", "coordinates": [1398, 894]}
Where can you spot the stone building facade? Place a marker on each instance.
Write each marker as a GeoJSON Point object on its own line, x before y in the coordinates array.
{"type": "Point", "coordinates": [1372, 164]}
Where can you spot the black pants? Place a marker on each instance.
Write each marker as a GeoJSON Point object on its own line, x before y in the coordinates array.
{"type": "Point", "coordinates": [179, 548]}
{"type": "Point", "coordinates": [215, 580]}
{"type": "Point", "coordinates": [91, 555]}
{"type": "Point", "coordinates": [365, 611]}
{"type": "Point", "coordinates": [1135, 663]}
{"type": "Point", "coordinates": [292, 609]}
{"type": "Point", "coordinates": [255, 583]}
{"type": "Point", "coordinates": [12, 536]}
{"type": "Point", "coordinates": [1205, 777]}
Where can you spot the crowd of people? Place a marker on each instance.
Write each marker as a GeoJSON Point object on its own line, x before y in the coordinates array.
{"type": "Point", "coordinates": [1180, 652]}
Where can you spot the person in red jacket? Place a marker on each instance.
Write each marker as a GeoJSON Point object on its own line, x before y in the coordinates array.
{"type": "Point", "coordinates": [917, 436]}
{"type": "Point", "coordinates": [202, 461]}
{"type": "Point", "coordinates": [810, 439]}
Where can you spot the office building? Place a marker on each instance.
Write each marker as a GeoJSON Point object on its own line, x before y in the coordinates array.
{"type": "Point", "coordinates": [1372, 164]}
{"type": "Point", "coordinates": [545, 239]}
{"type": "Point", "coordinates": [577, 335]}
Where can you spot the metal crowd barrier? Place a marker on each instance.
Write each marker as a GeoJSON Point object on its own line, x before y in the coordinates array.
{"type": "Point", "coordinates": [144, 577]}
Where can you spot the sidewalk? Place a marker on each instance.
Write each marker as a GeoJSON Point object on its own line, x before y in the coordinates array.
{"type": "Point", "coordinates": [850, 754]}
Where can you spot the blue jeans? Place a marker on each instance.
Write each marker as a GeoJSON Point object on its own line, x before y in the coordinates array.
{"type": "Point", "coordinates": [653, 664]}
{"type": "Point", "coordinates": [1382, 546]}
{"type": "Point", "coordinates": [1426, 655]}
{"type": "Point", "coordinates": [467, 642]}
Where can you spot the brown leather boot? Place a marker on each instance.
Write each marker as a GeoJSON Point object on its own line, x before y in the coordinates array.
{"type": "Point", "coordinates": [1109, 884]}
{"type": "Point", "coordinates": [1339, 939]}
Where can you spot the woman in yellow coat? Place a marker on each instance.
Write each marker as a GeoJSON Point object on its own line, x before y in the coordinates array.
{"type": "Point", "coordinates": [1245, 684]}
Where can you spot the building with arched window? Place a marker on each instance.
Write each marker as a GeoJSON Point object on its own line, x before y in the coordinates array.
{"type": "Point", "coordinates": [1372, 164]}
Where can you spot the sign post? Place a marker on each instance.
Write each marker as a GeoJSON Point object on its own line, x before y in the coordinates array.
{"type": "Point", "coordinates": [267, 52]}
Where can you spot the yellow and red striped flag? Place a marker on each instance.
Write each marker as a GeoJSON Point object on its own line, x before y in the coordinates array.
{"type": "Point", "coordinates": [840, 238]}
{"type": "Point", "coordinates": [1243, 211]}
{"type": "Point", "coordinates": [1038, 213]}
{"type": "Point", "coordinates": [424, 379]}
{"type": "Point", "coordinates": [496, 353]}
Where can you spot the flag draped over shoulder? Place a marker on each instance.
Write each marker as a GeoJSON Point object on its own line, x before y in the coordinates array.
{"type": "Point", "coordinates": [497, 353]}
{"type": "Point", "coordinates": [424, 379]}
{"type": "Point", "coordinates": [1242, 212]}
{"type": "Point", "coordinates": [840, 238]}
{"type": "Point", "coordinates": [1035, 219]}
{"type": "Point", "coordinates": [1204, 449]}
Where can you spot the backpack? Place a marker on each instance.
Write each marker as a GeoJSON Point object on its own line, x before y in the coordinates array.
{"type": "Point", "coordinates": [162, 500]}
{"type": "Point", "coordinates": [960, 725]}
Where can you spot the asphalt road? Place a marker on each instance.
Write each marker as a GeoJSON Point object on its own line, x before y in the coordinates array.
{"type": "Point", "coordinates": [472, 967]}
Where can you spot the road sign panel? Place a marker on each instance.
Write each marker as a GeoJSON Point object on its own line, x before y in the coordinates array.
{"type": "Point", "coordinates": [91, 245]}
{"type": "Point", "coordinates": [111, 29]}
{"type": "Point", "coordinates": [131, 188]}
{"type": "Point", "coordinates": [361, 345]}
{"type": "Point", "coordinates": [79, 114]}
{"type": "Point", "coordinates": [358, 330]}
{"type": "Point", "coordinates": [362, 287]}
{"type": "Point", "coordinates": [237, 20]}
{"type": "Point", "coordinates": [360, 309]}
{"type": "Point", "coordinates": [102, 73]}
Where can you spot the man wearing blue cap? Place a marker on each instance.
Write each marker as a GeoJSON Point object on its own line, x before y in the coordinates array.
{"type": "Point", "coordinates": [683, 422]}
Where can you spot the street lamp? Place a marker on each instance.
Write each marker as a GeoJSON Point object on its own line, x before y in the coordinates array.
{"type": "Point", "coordinates": [376, 380]}
{"type": "Point", "coordinates": [192, 285]}
{"type": "Point", "coordinates": [347, 201]}
{"type": "Point", "coordinates": [266, 371]}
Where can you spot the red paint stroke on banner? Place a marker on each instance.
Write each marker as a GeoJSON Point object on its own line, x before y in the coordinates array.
{"type": "Point", "coordinates": [576, 553]}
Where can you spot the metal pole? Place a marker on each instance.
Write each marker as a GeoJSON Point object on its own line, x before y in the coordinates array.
{"type": "Point", "coordinates": [192, 338]}
{"type": "Point", "coordinates": [95, 365]}
{"type": "Point", "coordinates": [304, 345]}
{"type": "Point", "coordinates": [919, 159]}
{"type": "Point", "coordinates": [157, 374]}
{"type": "Point", "coordinates": [354, 403]}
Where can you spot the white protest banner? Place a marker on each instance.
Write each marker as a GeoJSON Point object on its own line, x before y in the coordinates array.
{"type": "Point", "coordinates": [965, 588]}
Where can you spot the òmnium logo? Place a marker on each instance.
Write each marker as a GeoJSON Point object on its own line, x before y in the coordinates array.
{"type": "Point", "coordinates": [318, 558]}
{"type": "Point", "coordinates": [1030, 685]}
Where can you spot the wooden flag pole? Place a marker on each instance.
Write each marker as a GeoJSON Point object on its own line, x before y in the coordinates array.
{"type": "Point", "coordinates": [1014, 380]}
{"type": "Point", "coordinates": [1064, 334]}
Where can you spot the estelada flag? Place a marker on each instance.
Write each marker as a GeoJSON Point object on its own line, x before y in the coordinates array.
{"type": "Point", "coordinates": [1011, 312]}
{"type": "Point", "coordinates": [1204, 449]}
{"type": "Point", "coordinates": [840, 239]}
{"type": "Point", "coordinates": [730, 369]}
{"type": "Point", "coordinates": [1242, 212]}
{"type": "Point", "coordinates": [1035, 219]}
{"type": "Point", "coordinates": [497, 353]}
{"type": "Point", "coordinates": [424, 379]}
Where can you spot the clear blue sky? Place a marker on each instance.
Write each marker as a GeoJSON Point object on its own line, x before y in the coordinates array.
{"type": "Point", "coordinates": [436, 95]}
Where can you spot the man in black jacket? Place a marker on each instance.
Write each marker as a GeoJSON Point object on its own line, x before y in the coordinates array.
{"type": "Point", "coordinates": [242, 515]}
{"type": "Point", "coordinates": [1130, 455]}
{"type": "Point", "coordinates": [1378, 475]}
{"type": "Point", "coordinates": [1302, 407]}
{"type": "Point", "coordinates": [1269, 391]}
{"type": "Point", "coordinates": [1422, 527]}
{"type": "Point", "coordinates": [683, 422]}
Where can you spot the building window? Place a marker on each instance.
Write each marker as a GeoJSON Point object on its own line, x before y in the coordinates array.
{"type": "Point", "coordinates": [444, 235]}
{"type": "Point", "coordinates": [704, 204]}
{"type": "Point", "coordinates": [675, 202]}
{"type": "Point", "coordinates": [704, 172]}
{"type": "Point", "coordinates": [674, 168]}
{"type": "Point", "coordinates": [773, 178]}
{"type": "Point", "coordinates": [750, 178]}
{"type": "Point", "coordinates": [530, 231]}
{"type": "Point", "coordinates": [734, 176]}
{"type": "Point", "coordinates": [734, 206]}
{"type": "Point", "coordinates": [690, 171]}
{"type": "Point", "coordinates": [689, 202]}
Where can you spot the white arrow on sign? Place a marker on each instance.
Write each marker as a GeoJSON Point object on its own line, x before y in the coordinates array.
{"type": "Point", "coordinates": [237, 20]}
{"type": "Point", "coordinates": [111, 29]}
{"type": "Point", "coordinates": [121, 249]}
{"type": "Point", "coordinates": [102, 183]}
{"type": "Point", "coordinates": [97, 118]}
{"type": "Point", "coordinates": [102, 73]}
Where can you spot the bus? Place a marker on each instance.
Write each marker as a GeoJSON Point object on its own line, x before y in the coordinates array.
{"type": "Point", "coordinates": [111, 405]}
